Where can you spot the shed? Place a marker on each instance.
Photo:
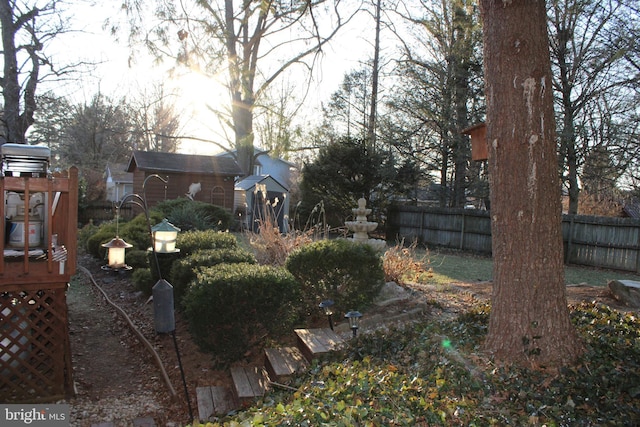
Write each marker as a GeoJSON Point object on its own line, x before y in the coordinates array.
{"type": "Point", "coordinates": [118, 182]}
{"type": "Point", "coordinates": [259, 197]}
{"type": "Point", "coordinates": [208, 179]}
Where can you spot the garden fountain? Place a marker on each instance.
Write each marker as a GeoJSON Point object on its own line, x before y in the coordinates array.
{"type": "Point", "coordinates": [361, 227]}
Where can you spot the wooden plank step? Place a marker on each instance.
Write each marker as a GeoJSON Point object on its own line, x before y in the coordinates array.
{"type": "Point", "coordinates": [282, 362]}
{"type": "Point", "coordinates": [249, 381]}
{"type": "Point", "coordinates": [315, 342]}
{"type": "Point", "coordinates": [144, 422]}
{"type": "Point", "coordinates": [213, 401]}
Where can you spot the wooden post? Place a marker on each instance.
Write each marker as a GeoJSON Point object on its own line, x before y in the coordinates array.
{"type": "Point", "coordinates": [462, 231]}
{"type": "Point", "coordinates": [569, 241]}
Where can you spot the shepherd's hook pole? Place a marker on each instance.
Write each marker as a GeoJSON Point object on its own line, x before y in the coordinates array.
{"type": "Point", "coordinates": [184, 381]}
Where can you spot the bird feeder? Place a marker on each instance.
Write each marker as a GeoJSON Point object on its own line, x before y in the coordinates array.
{"type": "Point", "coordinates": [116, 251]}
{"type": "Point", "coordinates": [165, 235]}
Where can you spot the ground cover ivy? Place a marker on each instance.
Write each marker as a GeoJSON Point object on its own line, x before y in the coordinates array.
{"type": "Point", "coordinates": [434, 373]}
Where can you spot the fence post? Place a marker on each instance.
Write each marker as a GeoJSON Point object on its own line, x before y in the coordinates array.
{"type": "Point", "coordinates": [638, 254]}
{"type": "Point", "coordinates": [462, 231]}
{"type": "Point", "coordinates": [569, 239]}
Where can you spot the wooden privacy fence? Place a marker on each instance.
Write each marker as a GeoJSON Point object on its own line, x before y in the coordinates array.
{"type": "Point", "coordinates": [102, 212]}
{"type": "Point", "coordinates": [604, 242]}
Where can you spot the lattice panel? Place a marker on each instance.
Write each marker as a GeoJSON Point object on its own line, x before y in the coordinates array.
{"type": "Point", "coordinates": [34, 350]}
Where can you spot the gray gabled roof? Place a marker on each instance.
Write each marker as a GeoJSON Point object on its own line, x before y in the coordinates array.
{"type": "Point", "coordinates": [257, 152]}
{"type": "Point", "coordinates": [183, 163]}
{"type": "Point", "coordinates": [250, 181]}
{"type": "Point", "coordinates": [119, 174]}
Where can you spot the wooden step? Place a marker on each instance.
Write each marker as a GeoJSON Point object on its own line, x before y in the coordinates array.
{"type": "Point", "coordinates": [249, 382]}
{"type": "Point", "coordinates": [144, 422]}
{"type": "Point", "coordinates": [316, 342]}
{"type": "Point", "coordinates": [214, 401]}
{"type": "Point", "coordinates": [282, 362]}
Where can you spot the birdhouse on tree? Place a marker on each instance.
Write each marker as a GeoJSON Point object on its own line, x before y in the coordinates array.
{"type": "Point", "coordinates": [478, 135]}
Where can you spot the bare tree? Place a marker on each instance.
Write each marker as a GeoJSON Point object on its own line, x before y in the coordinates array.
{"type": "Point", "coordinates": [347, 109]}
{"type": "Point", "coordinates": [529, 322]}
{"type": "Point", "coordinates": [27, 27]}
{"type": "Point", "coordinates": [275, 120]}
{"type": "Point", "coordinates": [444, 65]}
{"type": "Point", "coordinates": [155, 122]}
{"type": "Point", "coordinates": [257, 41]}
{"type": "Point", "coordinates": [592, 48]}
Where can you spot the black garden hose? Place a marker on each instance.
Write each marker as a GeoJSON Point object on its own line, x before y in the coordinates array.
{"type": "Point", "coordinates": [135, 330]}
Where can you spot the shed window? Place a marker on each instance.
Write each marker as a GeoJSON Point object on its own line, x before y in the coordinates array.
{"type": "Point", "coordinates": [217, 196]}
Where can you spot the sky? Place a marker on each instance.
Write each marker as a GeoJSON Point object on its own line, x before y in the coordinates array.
{"type": "Point", "coordinates": [114, 77]}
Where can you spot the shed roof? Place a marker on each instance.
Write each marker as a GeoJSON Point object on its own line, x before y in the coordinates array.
{"type": "Point", "coordinates": [249, 182]}
{"type": "Point", "coordinates": [183, 163]}
{"type": "Point", "coordinates": [118, 173]}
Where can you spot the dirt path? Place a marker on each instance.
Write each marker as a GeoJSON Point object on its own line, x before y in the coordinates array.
{"type": "Point", "coordinates": [115, 379]}
{"type": "Point", "coordinates": [98, 351]}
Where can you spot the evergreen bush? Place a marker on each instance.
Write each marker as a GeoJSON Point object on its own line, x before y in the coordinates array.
{"type": "Point", "coordinates": [192, 241]}
{"type": "Point", "coordinates": [85, 233]}
{"type": "Point", "coordinates": [102, 234]}
{"type": "Point", "coordinates": [183, 271]}
{"type": "Point", "coordinates": [142, 280]}
{"type": "Point", "coordinates": [189, 214]}
{"type": "Point", "coordinates": [137, 258]}
{"type": "Point", "coordinates": [349, 273]}
{"type": "Point", "coordinates": [136, 231]}
{"type": "Point", "coordinates": [232, 307]}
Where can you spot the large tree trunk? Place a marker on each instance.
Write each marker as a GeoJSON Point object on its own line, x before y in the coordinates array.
{"type": "Point", "coordinates": [15, 124]}
{"type": "Point", "coordinates": [529, 317]}
{"type": "Point", "coordinates": [375, 72]}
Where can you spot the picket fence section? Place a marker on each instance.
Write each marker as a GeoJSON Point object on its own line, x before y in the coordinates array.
{"type": "Point", "coordinates": [604, 242]}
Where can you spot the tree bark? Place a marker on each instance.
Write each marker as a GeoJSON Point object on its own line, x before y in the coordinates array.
{"type": "Point", "coordinates": [529, 321]}
{"type": "Point", "coordinates": [375, 71]}
{"type": "Point", "coordinates": [16, 123]}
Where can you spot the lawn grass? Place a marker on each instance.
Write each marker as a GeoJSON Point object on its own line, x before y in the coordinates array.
{"type": "Point", "coordinates": [458, 267]}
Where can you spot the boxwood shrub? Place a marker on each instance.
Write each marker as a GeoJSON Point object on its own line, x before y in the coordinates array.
{"type": "Point", "coordinates": [192, 241]}
{"type": "Point", "coordinates": [232, 307]}
{"type": "Point", "coordinates": [349, 273]}
{"type": "Point", "coordinates": [183, 271]}
{"type": "Point", "coordinates": [142, 280]}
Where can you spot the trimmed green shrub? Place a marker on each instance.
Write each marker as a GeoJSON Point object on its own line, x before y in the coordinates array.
{"type": "Point", "coordinates": [349, 273]}
{"type": "Point", "coordinates": [192, 241]}
{"type": "Point", "coordinates": [142, 280]}
{"type": "Point", "coordinates": [136, 231]}
{"type": "Point", "coordinates": [103, 234]}
{"type": "Point", "coordinates": [136, 258]}
{"type": "Point", "coordinates": [232, 307]}
{"type": "Point", "coordinates": [85, 233]}
{"type": "Point", "coordinates": [183, 271]}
